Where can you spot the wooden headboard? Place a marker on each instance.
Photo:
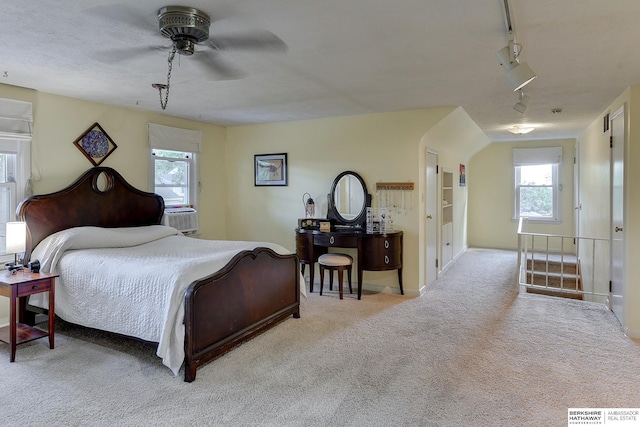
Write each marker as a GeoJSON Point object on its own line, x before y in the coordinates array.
{"type": "Point", "coordinates": [100, 197]}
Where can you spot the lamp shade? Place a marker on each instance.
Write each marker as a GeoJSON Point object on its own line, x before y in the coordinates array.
{"type": "Point", "coordinates": [520, 75]}
{"type": "Point", "coordinates": [16, 237]}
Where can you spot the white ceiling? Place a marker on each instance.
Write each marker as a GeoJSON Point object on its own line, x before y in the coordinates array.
{"type": "Point", "coordinates": [344, 57]}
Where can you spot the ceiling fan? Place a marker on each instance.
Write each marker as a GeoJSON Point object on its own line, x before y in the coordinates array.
{"type": "Point", "coordinates": [188, 27]}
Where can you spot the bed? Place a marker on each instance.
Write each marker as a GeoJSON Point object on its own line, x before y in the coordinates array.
{"type": "Point", "coordinates": [100, 226]}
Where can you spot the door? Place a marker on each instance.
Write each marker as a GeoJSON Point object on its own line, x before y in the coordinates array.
{"type": "Point", "coordinates": [432, 217]}
{"type": "Point", "coordinates": [577, 207]}
{"type": "Point", "coordinates": [617, 267]}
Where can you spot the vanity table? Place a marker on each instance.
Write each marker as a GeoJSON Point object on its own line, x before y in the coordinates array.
{"type": "Point", "coordinates": [376, 251]}
{"type": "Point", "coordinates": [347, 204]}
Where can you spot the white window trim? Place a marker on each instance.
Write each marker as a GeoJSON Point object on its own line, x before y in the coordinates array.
{"type": "Point", "coordinates": [193, 176]}
{"type": "Point", "coordinates": [16, 127]}
{"type": "Point", "coordinates": [556, 187]}
{"type": "Point", "coordinates": [176, 139]}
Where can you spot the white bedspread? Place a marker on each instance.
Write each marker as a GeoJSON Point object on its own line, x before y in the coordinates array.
{"type": "Point", "coordinates": [132, 281]}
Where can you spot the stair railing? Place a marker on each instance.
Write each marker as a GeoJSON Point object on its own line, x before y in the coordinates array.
{"type": "Point", "coordinates": [590, 254]}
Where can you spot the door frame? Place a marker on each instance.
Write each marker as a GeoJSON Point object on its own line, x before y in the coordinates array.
{"type": "Point", "coordinates": [617, 218]}
{"type": "Point", "coordinates": [432, 207]}
{"type": "Point", "coordinates": [577, 206]}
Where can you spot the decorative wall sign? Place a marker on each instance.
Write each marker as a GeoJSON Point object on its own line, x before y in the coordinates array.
{"type": "Point", "coordinates": [95, 144]}
{"type": "Point", "coordinates": [270, 169]}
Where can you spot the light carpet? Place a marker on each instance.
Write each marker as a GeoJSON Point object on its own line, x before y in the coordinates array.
{"type": "Point", "coordinates": [472, 351]}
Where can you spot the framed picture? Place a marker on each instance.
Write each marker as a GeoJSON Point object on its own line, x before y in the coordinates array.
{"type": "Point", "coordinates": [270, 169]}
{"type": "Point", "coordinates": [463, 176]}
{"type": "Point", "coordinates": [95, 144]}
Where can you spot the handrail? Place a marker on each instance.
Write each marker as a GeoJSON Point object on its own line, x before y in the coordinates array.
{"type": "Point", "coordinates": [587, 252]}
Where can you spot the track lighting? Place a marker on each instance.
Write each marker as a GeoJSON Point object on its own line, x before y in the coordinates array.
{"type": "Point", "coordinates": [521, 105]}
{"type": "Point", "coordinates": [518, 74]}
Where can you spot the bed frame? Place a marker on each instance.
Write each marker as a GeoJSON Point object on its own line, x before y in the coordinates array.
{"type": "Point", "coordinates": [252, 293]}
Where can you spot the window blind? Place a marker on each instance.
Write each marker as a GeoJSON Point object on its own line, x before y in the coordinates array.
{"type": "Point", "coordinates": [16, 119]}
{"type": "Point", "coordinates": [176, 139]}
{"type": "Point", "coordinates": [537, 156]}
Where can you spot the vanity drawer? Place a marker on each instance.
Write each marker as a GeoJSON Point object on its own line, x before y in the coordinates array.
{"type": "Point", "coordinates": [383, 243]}
{"type": "Point", "coordinates": [335, 239]}
{"type": "Point", "coordinates": [382, 251]}
{"type": "Point", "coordinates": [382, 260]}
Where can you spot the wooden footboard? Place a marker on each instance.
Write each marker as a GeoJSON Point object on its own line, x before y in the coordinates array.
{"type": "Point", "coordinates": [255, 291]}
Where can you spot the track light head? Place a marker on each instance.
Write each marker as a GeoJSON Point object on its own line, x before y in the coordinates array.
{"type": "Point", "coordinates": [521, 105]}
{"type": "Point", "coordinates": [518, 74]}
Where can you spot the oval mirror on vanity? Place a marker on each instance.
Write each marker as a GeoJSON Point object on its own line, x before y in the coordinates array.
{"type": "Point", "coordinates": [348, 200]}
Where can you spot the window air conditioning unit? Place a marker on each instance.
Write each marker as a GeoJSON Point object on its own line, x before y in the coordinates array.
{"type": "Point", "coordinates": [184, 220]}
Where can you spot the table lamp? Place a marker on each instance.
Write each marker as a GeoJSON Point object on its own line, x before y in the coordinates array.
{"type": "Point", "coordinates": [16, 240]}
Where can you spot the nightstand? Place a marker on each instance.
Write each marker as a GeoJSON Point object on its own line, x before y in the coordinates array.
{"type": "Point", "coordinates": [17, 286]}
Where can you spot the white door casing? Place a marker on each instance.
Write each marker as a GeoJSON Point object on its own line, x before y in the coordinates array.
{"type": "Point", "coordinates": [577, 207]}
{"type": "Point", "coordinates": [618, 285]}
{"type": "Point", "coordinates": [431, 218]}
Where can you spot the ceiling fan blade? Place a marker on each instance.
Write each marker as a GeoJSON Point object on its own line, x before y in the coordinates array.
{"type": "Point", "coordinates": [220, 68]}
{"type": "Point", "coordinates": [130, 53]}
{"type": "Point", "coordinates": [125, 14]}
{"type": "Point", "coordinates": [261, 40]}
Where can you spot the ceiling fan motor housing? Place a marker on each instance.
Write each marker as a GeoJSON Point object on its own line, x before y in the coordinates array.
{"type": "Point", "coordinates": [184, 25]}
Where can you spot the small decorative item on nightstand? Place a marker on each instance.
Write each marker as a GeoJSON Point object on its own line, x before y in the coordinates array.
{"type": "Point", "coordinates": [34, 266]}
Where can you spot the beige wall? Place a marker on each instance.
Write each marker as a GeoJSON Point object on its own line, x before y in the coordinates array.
{"type": "Point", "coordinates": [455, 139]}
{"type": "Point", "coordinates": [491, 192]}
{"type": "Point", "coordinates": [380, 147]}
{"type": "Point", "coordinates": [595, 196]}
{"type": "Point", "coordinates": [632, 224]}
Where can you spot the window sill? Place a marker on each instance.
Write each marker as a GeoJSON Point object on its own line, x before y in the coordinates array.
{"type": "Point", "coordinates": [538, 221]}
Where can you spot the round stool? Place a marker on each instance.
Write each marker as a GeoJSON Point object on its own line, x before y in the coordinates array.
{"type": "Point", "coordinates": [332, 262]}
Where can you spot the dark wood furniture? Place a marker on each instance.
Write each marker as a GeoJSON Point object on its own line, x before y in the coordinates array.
{"type": "Point", "coordinates": [16, 287]}
{"type": "Point", "coordinates": [376, 251]}
{"type": "Point", "coordinates": [256, 290]}
{"type": "Point", "coordinates": [335, 262]}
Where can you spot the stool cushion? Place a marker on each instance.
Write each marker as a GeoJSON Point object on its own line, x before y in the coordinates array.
{"type": "Point", "coordinates": [335, 260]}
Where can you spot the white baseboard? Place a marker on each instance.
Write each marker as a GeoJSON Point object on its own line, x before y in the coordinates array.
{"type": "Point", "coordinates": [632, 333]}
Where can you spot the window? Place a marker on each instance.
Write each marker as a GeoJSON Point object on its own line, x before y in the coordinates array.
{"type": "Point", "coordinates": [16, 123]}
{"type": "Point", "coordinates": [173, 178]}
{"type": "Point", "coordinates": [173, 167]}
{"type": "Point", "coordinates": [8, 196]}
{"type": "Point", "coordinates": [537, 185]}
